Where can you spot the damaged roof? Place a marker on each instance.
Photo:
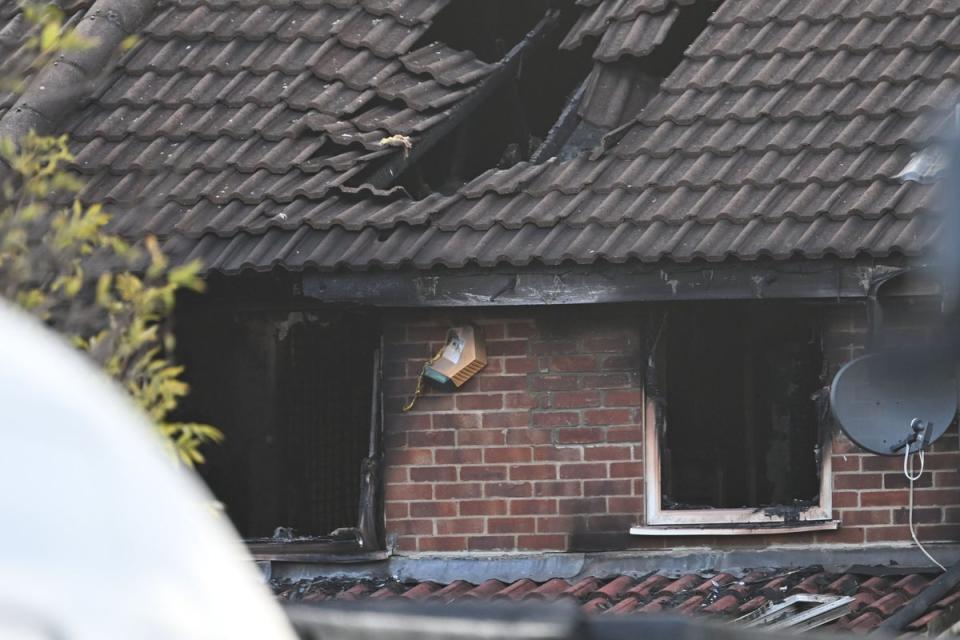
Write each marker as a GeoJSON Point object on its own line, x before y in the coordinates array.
{"type": "Point", "coordinates": [256, 135]}
{"type": "Point", "coordinates": [780, 134]}
{"type": "Point", "coordinates": [725, 595]}
{"type": "Point", "coordinates": [260, 104]}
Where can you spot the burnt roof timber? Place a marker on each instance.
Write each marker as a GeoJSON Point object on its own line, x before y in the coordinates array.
{"type": "Point", "coordinates": [72, 76]}
{"type": "Point", "coordinates": [825, 279]}
{"type": "Point", "coordinates": [508, 67]}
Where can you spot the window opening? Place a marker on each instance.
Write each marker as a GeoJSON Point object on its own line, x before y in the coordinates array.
{"type": "Point", "coordinates": [295, 394]}
{"type": "Point", "coordinates": [739, 424]}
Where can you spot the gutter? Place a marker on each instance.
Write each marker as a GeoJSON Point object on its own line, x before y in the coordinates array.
{"type": "Point", "coordinates": [71, 77]}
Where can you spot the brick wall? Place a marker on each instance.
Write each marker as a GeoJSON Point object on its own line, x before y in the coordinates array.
{"type": "Point", "coordinates": [543, 449]}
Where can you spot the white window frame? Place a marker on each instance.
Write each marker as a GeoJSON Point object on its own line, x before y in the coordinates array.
{"type": "Point", "coordinates": [660, 521]}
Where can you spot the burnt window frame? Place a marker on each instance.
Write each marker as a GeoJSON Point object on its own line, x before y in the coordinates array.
{"type": "Point", "coordinates": [658, 519]}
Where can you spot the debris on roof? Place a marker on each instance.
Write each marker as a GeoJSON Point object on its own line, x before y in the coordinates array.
{"type": "Point", "coordinates": [780, 134]}
{"type": "Point", "coordinates": [779, 596]}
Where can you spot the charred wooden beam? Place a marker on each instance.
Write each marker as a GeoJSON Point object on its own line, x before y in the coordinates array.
{"type": "Point", "coordinates": [584, 284]}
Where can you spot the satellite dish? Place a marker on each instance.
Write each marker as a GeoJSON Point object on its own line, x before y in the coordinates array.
{"type": "Point", "coordinates": [890, 400]}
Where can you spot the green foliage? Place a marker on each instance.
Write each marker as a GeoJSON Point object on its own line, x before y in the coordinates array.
{"type": "Point", "coordinates": [60, 262]}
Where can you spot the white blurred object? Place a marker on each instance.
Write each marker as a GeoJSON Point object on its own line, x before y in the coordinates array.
{"type": "Point", "coordinates": [101, 536]}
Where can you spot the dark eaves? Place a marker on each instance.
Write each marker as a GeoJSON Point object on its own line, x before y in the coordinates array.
{"type": "Point", "coordinates": [72, 75]}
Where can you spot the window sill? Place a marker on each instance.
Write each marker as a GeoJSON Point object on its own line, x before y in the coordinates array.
{"type": "Point", "coordinates": [727, 530]}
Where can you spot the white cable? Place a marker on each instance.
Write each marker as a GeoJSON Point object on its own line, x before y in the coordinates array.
{"type": "Point", "coordinates": [907, 460]}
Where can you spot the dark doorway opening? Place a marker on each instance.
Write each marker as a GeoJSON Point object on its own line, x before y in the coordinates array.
{"type": "Point", "coordinates": [741, 424]}
{"type": "Point", "coordinates": [292, 391]}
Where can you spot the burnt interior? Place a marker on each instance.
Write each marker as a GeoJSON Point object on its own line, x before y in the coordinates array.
{"type": "Point", "coordinates": [293, 393]}
{"type": "Point", "coordinates": [740, 427]}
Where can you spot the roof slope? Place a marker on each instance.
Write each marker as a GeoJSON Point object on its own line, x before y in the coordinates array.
{"type": "Point", "coordinates": [240, 104]}
{"type": "Point", "coordinates": [875, 598]}
{"type": "Point", "coordinates": [780, 134]}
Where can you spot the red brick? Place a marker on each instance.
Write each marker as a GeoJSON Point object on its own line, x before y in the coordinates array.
{"type": "Point", "coordinates": [396, 475]}
{"type": "Point", "coordinates": [558, 454]}
{"type": "Point", "coordinates": [411, 527]}
{"type": "Point", "coordinates": [408, 422]}
{"type": "Point", "coordinates": [433, 509]}
{"type": "Point", "coordinates": [396, 510]}
{"type": "Point", "coordinates": [845, 463]}
{"type": "Point", "coordinates": [558, 488]}
{"type": "Point", "coordinates": [511, 525]}
{"type": "Point", "coordinates": [533, 472]}
{"type": "Point", "coordinates": [432, 438]}
{"type": "Point", "coordinates": [480, 438]}
{"type": "Point", "coordinates": [507, 347]}
{"type": "Point", "coordinates": [580, 435]}
{"type": "Point", "coordinates": [520, 401]}
{"type": "Point", "coordinates": [926, 515]}
{"type": "Point", "coordinates": [552, 347]}
{"type": "Point", "coordinates": [455, 490]}
{"type": "Point", "coordinates": [623, 398]}
{"type": "Point", "coordinates": [625, 434]}
{"type": "Point", "coordinates": [581, 506]}
{"type": "Point", "coordinates": [626, 470]}
{"type": "Point", "coordinates": [508, 454]}
{"type": "Point", "coordinates": [456, 421]}
{"type": "Point", "coordinates": [896, 480]}
{"type": "Point", "coordinates": [939, 532]}
{"type": "Point", "coordinates": [521, 329]}
{"type": "Point", "coordinates": [483, 508]}
{"type": "Point", "coordinates": [529, 436]}
{"type": "Point", "coordinates": [946, 479]}
{"type": "Point", "coordinates": [494, 329]}
{"type": "Point", "coordinates": [607, 487]}
{"type": "Point", "coordinates": [479, 401]}
{"type": "Point", "coordinates": [851, 517]}
{"type": "Point", "coordinates": [607, 453]}
{"type": "Point", "coordinates": [575, 399]}
{"type": "Point", "coordinates": [519, 365]}
{"type": "Point", "coordinates": [887, 534]}
{"type": "Point", "coordinates": [605, 380]}
{"type": "Point", "coordinates": [606, 417]}
{"type": "Point", "coordinates": [406, 543]}
{"type": "Point", "coordinates": [426, 404]}
{"type": "Point", "coordinates": [592, 470]}
{"type": "Point", "coordinates": [485, 472]}
{"type": "Point", "coordinates": [878, 463]}
{"type": "Point", "coordinates": [491, 543]}
{"type": "Point", "coordinates": [845, 499]}
{"type": "Point", "coordinates": [858, 481]}
{"type": "Point", "coordinates": [623, 362]}
{"type": "Point", "coordinates": [554, 542]}
{"type": "Point", "coordinates": [937, 461]}
{"type": "Point", "coordinates": [507, 489]}
{"type": "Point", "coordinates": [554, 383]}
{"type": "Point", "coordinates": [555, 419]}
{"type": "Point", "coordinates": [506, 420]}
{"type": "Point", "coordinates": [533, 507]}
{"type": "Point", "coordinates": [410, 456]}
{"type": "Point", "coordinates": [622, 504]}
{"type": "Point", "coordinates": [409, 492]}
{"type": "Point", "coordinates": [937, 497]}
{"type": "Point", "coordinates": [459, 456]}
{"type": "Point", "coordinates": [883, 498]}
{"type": "Point", "coordinates": [444, 543]}
{"type": "Point", "coordinates": [560, 524]}
{"type": "Point", "coordinates": [502, 383]}
{"type": "Point", "coordinates": [573, 363]}
{"type": "Point", "coordinates": [433, 474]}
{"type": "Point", "coordinates": [459, 525]}
{"type": "Point", "coordinates": [844, 535]}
